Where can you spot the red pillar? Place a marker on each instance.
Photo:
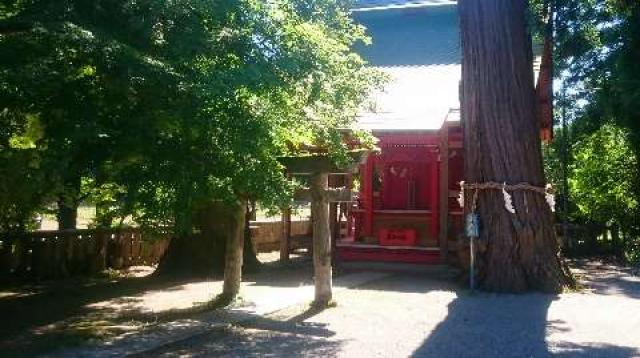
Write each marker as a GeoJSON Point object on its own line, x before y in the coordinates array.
{"type": "Point", "coordinates": [348, 213]}
{"type": "Point", "coordinates": [367, 195]}
{"type": "Point", "coordinates": [434, 179]}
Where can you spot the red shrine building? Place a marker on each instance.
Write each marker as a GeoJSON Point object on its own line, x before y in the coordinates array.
{"type": "Point", "coordinates": [406, 210]}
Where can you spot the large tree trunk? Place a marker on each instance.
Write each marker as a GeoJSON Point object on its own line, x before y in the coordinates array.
{"type": "Point", "coordinates": [203, 254]}
{"type": "Point", "coordinates": [502, 144]}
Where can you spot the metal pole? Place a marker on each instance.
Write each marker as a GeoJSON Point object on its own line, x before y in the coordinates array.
{"type": "Point", "coordinates": [472, 226]}
{"type": "Point", "coordinates": [472, 264]}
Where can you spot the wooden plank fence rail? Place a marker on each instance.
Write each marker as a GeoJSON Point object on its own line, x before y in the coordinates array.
{"type": "Point", "coordinates": [64, 253]}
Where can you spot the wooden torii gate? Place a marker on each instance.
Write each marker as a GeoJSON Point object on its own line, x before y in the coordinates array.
{"type": "Point", "coordinates": [318, 169]}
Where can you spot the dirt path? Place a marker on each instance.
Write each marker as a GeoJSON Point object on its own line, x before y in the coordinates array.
{"type": "Point", "coordinates": [412, 315]}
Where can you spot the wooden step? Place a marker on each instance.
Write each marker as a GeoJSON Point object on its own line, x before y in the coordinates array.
{"type": "Point", "coordinates": [388, 254]}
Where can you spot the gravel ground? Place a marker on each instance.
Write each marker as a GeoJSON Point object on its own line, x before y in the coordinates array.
{"type": "Point", "coordinates": [269, 291]}
{"type": "Point", "coordinates": [409, 314]}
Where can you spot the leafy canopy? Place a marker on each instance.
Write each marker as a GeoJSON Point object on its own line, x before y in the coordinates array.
{"type": "Point", "coordinates": [162, 106]}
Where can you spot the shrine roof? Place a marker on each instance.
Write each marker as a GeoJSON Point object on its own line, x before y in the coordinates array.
{"type": "Point", "coordinates": [372, 5]}
{"type": "Point", "coordinates": [418, 47]}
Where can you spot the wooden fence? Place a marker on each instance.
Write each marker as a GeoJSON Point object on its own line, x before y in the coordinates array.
{"type": "Point", "coordinates": [266, 235]}
{"type": "Point", "coordinates": [55, 254]}
{"type": "Point", "coordinates": [64, 253]}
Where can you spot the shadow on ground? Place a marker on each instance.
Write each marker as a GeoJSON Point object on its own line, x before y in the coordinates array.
{"type": "Point", "coordinates": [482, 324]}
{"type": "Point", "coordinates": [37, 318]}
{"type": "Point", "coordinates": [243, 342]}
{"type": "Point", "coordinates": [498, 325]}
{"type": "Point", "coordinates": [257, 337]}
{"type": "Point", "coordinates": [608, 279]}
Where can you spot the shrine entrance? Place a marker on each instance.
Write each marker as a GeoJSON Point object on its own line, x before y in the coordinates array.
{"type": "Point", "coordinates": [406, 209]}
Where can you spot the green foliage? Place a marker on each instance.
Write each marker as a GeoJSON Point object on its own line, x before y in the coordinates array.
{"type": "Point", "coordinates": [602, 184]}
{"type": "Point", "coordinates": [597, 50]}
{"type": "Point", "coordinates": [602, 175]}
{"type": "Point", "coordinates": [23, 189]}
{"type": "Point", "coordinates": [163, 106]}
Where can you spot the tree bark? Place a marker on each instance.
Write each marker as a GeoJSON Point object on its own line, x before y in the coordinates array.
{"type": "Point", "coordinates": [67, 215]}
{"type": "Point", "coordinates": [250, 260]}
{"type": "Point", "coordinates": [321, 239]}
{"type": "Point", "coordinates": [234, 249]}
{"type": "Point", "coordinates": [616, 243]}
{"type": "Point", "coordinates": [520, 251]}
{"type": "Point", "coordinates": [202, 254]}
{"type": "Point", "coordinates": [68, 202]}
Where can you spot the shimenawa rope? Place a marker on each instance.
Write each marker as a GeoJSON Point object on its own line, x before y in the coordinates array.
{"type": "Point", "coordinates": [547, 191]}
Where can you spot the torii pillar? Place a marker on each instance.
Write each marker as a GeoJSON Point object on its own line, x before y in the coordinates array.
{"type": "Point", "coordinates": [322, 270]}
{"type": "Point", "coordinates": [321, 197]}
{"type": "Point", "coordinates": [318, 169]}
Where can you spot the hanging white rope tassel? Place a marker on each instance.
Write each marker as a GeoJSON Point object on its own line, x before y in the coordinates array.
{"type": "Point", "coordinates": [461, 195]}
{"type": "Point", "coordinates": [508, 204]}
{"type": "Point", "coordinates": [551, 199]}
{"type": "Point", "coordinates": [547, 191]}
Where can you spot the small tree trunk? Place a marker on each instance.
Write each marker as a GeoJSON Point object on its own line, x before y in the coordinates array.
{"type": "Point", "coordinates": [233, 256]}
{"type": "Point", "coordinates": [285, 245]}
{"type": "Point", "coordinates": [321, 239]}
{"type": "Point", "coordinates": [250, 260]}
{"type": "Point", "coordinates": [616, 247]}
{"type": "Point", "coordinates": [591, 239]}
{"type": "Point", "coordinates": [502, 144]}
{"type": "Point", "coordinates": [67, 214]}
